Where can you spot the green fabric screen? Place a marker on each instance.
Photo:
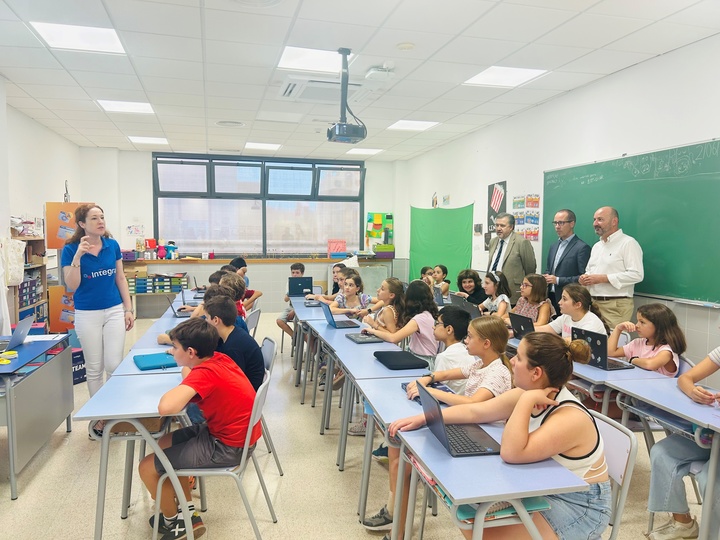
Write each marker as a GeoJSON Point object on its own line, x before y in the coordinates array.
{"type": "Point", "coordinates": [441, 236]}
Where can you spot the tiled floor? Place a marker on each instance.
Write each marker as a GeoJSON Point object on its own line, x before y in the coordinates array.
{"type": "Point", "coordinates": [312, 500]}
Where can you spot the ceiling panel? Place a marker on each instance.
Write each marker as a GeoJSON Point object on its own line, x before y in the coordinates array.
{"type": "Point", "coordinates": [514, 22]}
{"type": "Point", "coordinates": [155, 18]}
{"type": "Point", "coordinates": [246, 27]}
{"type": "Point", "coordinates": [592, 31]}
{"type": "Point", "coordinates": [660, 38]}
{"type": "Point", "coordinates": [423, 16]}
{"type": "Point", "coordinates": [27, 57]}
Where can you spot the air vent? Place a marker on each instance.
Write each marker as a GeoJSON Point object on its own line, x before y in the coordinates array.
{"type": "Point", "coordinates": [319, 90]}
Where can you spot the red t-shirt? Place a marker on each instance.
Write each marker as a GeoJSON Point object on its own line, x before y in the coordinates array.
{"type": "Point", "coordinates": [226, 397]}
{"type": "Point", "coordinates": [240, 308]}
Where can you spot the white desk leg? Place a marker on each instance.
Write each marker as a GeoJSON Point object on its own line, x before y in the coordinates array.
{"type": "Point", "coordinates": [397, 510]}
{"type": "Point", "coordinates": [710, 488]}
{"type": "Point", "coordinates": [299, 352]}
{"type": "Point", "coordinates": [327, 401]}
{"type": "Point", "coordinates": [367, 453]}
{"type": "Point", "coordinates": [411, 504]}
{"type": "Point", "coordinates": [310, 354]}
{"type": "Point", "coordinates": [12, 442]}
{"type": "Point", "coordinates": [348, 399]}
{"type": "Point", "coordinates": [127, 477]}
{"type": "Point", "coordinates": [102, 479]}
{"type": "Point", "coordinates": [606, 402]}
{"type": "Point", "coordinates": [316, 372]}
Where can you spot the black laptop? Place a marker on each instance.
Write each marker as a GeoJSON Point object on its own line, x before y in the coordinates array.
{"type": "Point", "coordinates": [521, 325]}
{"type": "Point", "coordinates": [599, 350]}
{"type": "Point", "coordinates": [459, 439]}
{"type": "Point", "coordinates": [299, 286]}
{"type": "Point", "coordinates": [331, 320]}
{"type": "Point", "coordinates": [178, 314]}
{"type": "Point", "coordinates": [199, 294]}
{"type": "Point", "coordinates": [462, 303]}
{"type": "Point", "coordinates": [361, 338]}
{"type": "Point", "coordinates": [185, 302]}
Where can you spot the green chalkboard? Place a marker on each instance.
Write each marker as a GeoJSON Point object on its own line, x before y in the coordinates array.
{"type": "Point", "coordinates": [669, 201]}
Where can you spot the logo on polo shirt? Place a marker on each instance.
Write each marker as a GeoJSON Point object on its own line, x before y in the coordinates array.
{"type": "Point", "coordinates": [100, 273]}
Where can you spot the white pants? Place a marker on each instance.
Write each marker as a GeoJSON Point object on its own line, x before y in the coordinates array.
{"type": "Point", "coordinates": [102, 335]}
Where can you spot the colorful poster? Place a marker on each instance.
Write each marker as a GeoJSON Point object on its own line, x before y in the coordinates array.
{"type": "Point", "coordinates": [518, 202]}
{"type": "Point", "coordinates": [59, 223]}
{"type": "Point", "coordinates": [379, 229]}
{"type": "Point", "coordinates": [497, 202]}
{"type": "Point", "coordinates": [532, 201]}
{"type": "Point", "coordinates": [62, 309]}
{"type": "Point", "coordinates": [519, 218]}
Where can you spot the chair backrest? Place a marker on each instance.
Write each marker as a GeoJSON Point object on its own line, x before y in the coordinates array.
{"type": "Point", "coordinates": [685, 365]}
{"type": "Point", "coordinates": [256, 305]}
{"type": "Point", "coordinates": [269, 350]}
{"type": "Point", "coordinates": [252, 321]}
{"type": "Point", "coordinates": [255, 416]}
{"type": "Point", "coordinates": [620, 452]}
{"type": "Point", "coordinates": [317, 289]}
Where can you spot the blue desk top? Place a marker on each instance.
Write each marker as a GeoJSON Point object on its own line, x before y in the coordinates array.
{"type": "Point", "coordinates": [388, 399]}
{"type": "Point", "coordinates": [131, 396]}
{"type": "Point", "coordinates": [29, 351]}
{"type": "Point", "coordinates": [487, 478]}
{"type": "Point", "coordinates": [160, 326]}
{"type": "Point", "coordinates": [304, 313]}
{"type": "Point", "coordinates": [600, 376]}
{"type": "Point", "coordinates": [128, 367]}
{"type": "Point", "coordinates": [358, 359]}
{"type": "Point", "coordinates": [665, 394]}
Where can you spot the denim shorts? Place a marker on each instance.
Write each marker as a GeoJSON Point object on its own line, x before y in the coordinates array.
{"type": "Point", "coordinates": [581, 514]}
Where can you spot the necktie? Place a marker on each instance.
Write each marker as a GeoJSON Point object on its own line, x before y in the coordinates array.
{"type": "Point", "coordinates": [497, 257]}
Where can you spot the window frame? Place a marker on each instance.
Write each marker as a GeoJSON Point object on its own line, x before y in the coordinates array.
{"type": "Point", "coordinates": [265, 164]}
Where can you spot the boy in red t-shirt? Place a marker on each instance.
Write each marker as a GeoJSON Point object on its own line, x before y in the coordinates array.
{"type": "Point", "coordinates": [225, 396]}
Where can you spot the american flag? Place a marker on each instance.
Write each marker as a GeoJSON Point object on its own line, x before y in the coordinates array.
{"type": "Point", "coordinates": [497, 198]}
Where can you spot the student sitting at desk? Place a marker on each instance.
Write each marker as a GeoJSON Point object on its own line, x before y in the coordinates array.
{"type": "Point", "coordinates": [533, 301]}
{"type": "Point", "coordinates": [470, 286]}
{"type": "Point", "coordinates": [225, 395]}
{"type": "Point", "coordinates": [577, 310]}
{"type": "Point", "coordinates": [391, 297]}
{"type": "Point", "coordinates": [498, 291]}
{"type": "Point", "coordinates": [660, 340]}
{"type": "Point", "coordinates": [427, 274]}
{"type": "Point", "coordinates": [544, 420]}
{"type": "Point", "coordinates": [486, 378]}
{"type": "Point", "coordinates": [670, 461]}
{"type": "Point", "coordinates": [440, 277]}
{"type": "Point", "coordinates": [237, 284]}
{"type": "Point", "coordinates": [352, 300]}
{"type": "Point", "coordinates": [296, 270]}
{"type": "Point", "coordinates": [214, 279]}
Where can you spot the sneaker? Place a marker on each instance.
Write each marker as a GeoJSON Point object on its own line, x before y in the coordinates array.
{"type": "Point", "coordinates": [358, 429]}
{"type": "Point", "coordinates": [380, 521]}
{"type": "Point", "coordinates": [380, 454]}
{"type": "Point", "coordinates": [338, 382]}
{"type": "Point", "coordinates": [321, 381]}
{"type": "Point", "coordinates": [675, 530]}
{"type": "Point", "coordinates": [175, 529]}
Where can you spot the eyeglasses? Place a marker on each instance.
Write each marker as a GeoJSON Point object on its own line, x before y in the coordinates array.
{"type": "Point", "coordinates": [525, 285]}
{"type": "Point", "coordinates": [439, 323]}
{"type": "Point", "coordinates": [560, 223]}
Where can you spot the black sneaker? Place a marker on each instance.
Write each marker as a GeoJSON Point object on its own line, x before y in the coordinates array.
{"type": "Point", "coordinates": [175, 529]}
{"type": "Point", "coordinates": [380, 521]}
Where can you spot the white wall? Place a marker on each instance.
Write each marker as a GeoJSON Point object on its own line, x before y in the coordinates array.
{"type": "Point", "coordinates": [4, 167]}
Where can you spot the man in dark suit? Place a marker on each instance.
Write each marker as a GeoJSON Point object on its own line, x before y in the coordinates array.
{"type": "Point", "coordinates": [511, 254]}
{"type": "Point", "coordinates": [567, 257]}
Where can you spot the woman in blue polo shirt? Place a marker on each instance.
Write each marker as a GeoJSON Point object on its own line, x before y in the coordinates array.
{"type": "Point", "coordinates": [92, 267]}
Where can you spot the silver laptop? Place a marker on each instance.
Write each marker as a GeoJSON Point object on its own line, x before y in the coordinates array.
{"type": "Point", "coordinates": [521, 325]}
{"type": "Point", "coordinates": [22, 329]}
{"type": "Point", "coordinates": [462, 303]}
{"type": "Point", "coordinates": [363, 338]}
{"type": "Point", "coordinates": [185, 302]}
{"type": "Point", "coordinates": [331, 320]}
{"type": "Point", "coordinates": [199, 295]}
{"type": "Point", "coordinates": [459, 439]}
{"type": "Point", "coordinates": [599, 350]}
{"type": "Point", "coordinates": [176, 313]}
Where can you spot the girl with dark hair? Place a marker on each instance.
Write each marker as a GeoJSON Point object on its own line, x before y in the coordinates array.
{"type": "Point", "coordinates": [498, 291]}
{"type": "Point", "coordinates": [577, 310]}
{"type": "Point", "coordinates": [533, 301]}
{"type": "Point", "coordinates": [470, 286]}
{"type": "Point", "coordinates": [440, 276]}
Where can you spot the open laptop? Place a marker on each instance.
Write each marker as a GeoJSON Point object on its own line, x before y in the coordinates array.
{"type": "Point", "coordinates": [599, 350]}
{"type": "Point", "coordinates": [521, 325]}
{"type": "Point", "coordinates": [363, 338]}
{"type": "Point", "coordinates": [185, 302]}
{"type": "Point", "coordinates": [176, 313]}
{"type": "Point", "coordinates": [22, 329]}
{"type": "Point", "coordinates": [199, 294]}
{"type": "Point", "coordinates": [438, 297]}
{"type": "Point", "coordinates": [459, 439]}
{"type": "Point", "coordinates": [299, 286]}
{"type": "Point", "coordinates": [461, 302]}
{"type": "Point", "coordinates": [331, 320]}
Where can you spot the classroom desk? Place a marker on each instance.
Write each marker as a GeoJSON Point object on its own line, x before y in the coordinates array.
{"type": "Point", "coordinates": [495, 480]}
{"type": "Point", "coordinates": [33, 403]}
{"type": "Point", "coordinates": [664, 394]}
{"type": "Point", "coordinates": [597, 376]}
{"type": "Point", "coordinates": [303, 314]}
{"type": "Point", "coordinates": [128, 367]}
{"type": "Point", "coordinates": [130, 398]}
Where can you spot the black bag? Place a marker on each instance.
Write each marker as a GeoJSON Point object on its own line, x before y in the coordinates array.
{"type": "Point", "coordinates": [396, 360]}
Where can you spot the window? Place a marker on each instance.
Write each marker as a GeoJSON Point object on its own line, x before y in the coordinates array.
{"type": "Point", "coordinates": [255, 207]}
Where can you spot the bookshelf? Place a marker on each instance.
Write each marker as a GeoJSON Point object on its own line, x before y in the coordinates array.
{"type": "Point", "coordinates": [30, 296]}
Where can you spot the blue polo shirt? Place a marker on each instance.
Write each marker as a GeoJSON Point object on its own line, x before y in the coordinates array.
{"type": "Point", "coordinates": [97, 289]}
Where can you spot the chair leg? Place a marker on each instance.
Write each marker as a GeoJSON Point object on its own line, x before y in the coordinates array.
{"type": "Point", "coordinates": [269, 443]}
{"type": "Point", "coordinates": [238, 481]}
{"type": "Point", "coordinates": [698, 496]}
{"type": "Point", "coordinates": [651, 520]}
{"type": "Point", "coordinates": [264, 488]}
{"type": "Point", "coordinates": [203, 494]}
{"type": "Point", "coordinates": [423, 512]}
{"type": "Point", "coordinates": [282, 340]}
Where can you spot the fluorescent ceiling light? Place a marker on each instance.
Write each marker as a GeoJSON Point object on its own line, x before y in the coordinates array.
{"type": "Point", "coordinates": [300, 59]}
{"type": "Point", "coordinates": [148, 140]}
{"type": "Point", "coordinates": [364, 151]}
{"type": "Point", "coordinates": [262, 146]}
{"type": "Point", "coordinates": [126, 106]}
{"type": "Point", "coordinates": [79, 38]}
{"type": "Point", "coordinates": [504, 76]}
{"type": "Point", "coordinates": [412, 125]}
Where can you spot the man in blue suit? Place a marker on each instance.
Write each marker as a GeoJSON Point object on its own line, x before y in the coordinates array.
{"type": "Point", "coordinates": [567, 257]}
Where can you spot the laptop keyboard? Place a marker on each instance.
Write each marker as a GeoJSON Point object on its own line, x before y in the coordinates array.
{"type": "Point", "coordinates": [614, 364]}
{"type": "Point", "coordinates": [460, 442]}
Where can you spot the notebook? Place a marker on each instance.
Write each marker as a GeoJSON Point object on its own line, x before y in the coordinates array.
{"type": "Point", "coordinates": [460, 440]}
{"type": "Point", "coordinates": [462, 303]}
{"type": "Point", "coordinates": [499, 510]}
{"type": "Point", "coordinates": [185, 302]}
{"type": "Point", "coordinates": [363, 338]}
{"type": "Point", "coordinates": [521, 325]}
{"type": "Point", "coordinates": [176, 313]}
{"type": "Point", "coordinates": [22, 329]}
{"type": "Point", "coordinates": [299, 286]}
{"type": "Point", "coordinates": [199, 295]}
{"type": "Point", "coordinates": [161, 360]}
{"type": "Point", "coordinates": [331, 320]}
{"type": "Point", "coordinates": [437, 386]}
{"type": "Point", "coordinates": [397, 360]}
{"type": "Point", "coordinates": [599, 350]}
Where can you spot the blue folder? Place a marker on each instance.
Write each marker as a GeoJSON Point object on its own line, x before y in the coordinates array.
{"type": "Point", "coordinates": [161, 360]}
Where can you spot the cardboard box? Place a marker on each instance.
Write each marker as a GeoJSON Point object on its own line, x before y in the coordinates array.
{"type": "Point", "coordinates": [78, 366]}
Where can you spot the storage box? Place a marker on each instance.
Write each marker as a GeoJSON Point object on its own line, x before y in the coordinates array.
{"type": "Point", "coordinates": [78, 366]}
{"type": "Point", "coordinates": [128, 255]}
{"type": "Point", "coordinates": [384, 251]}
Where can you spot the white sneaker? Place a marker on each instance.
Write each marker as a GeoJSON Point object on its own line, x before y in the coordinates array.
{"type": "Point", "coordinates": [675, 530]}
{"type": "Point", "coordinates": [358, 429]}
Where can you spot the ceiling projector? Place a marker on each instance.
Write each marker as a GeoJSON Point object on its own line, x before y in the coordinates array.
{"type": "Point", "coordinates": [346, 133]}
{"type": "Point", "coordinates": [342, 131]}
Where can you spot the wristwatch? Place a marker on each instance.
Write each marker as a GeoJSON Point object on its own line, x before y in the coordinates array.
{"type": "Point", "coordinates": [369, 310]}
{"type": "Point", "coordinates": [129, 311]}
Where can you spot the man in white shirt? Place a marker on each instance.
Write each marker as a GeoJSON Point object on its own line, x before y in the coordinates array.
{"type": "Point", "coordinates": [615, 266]}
